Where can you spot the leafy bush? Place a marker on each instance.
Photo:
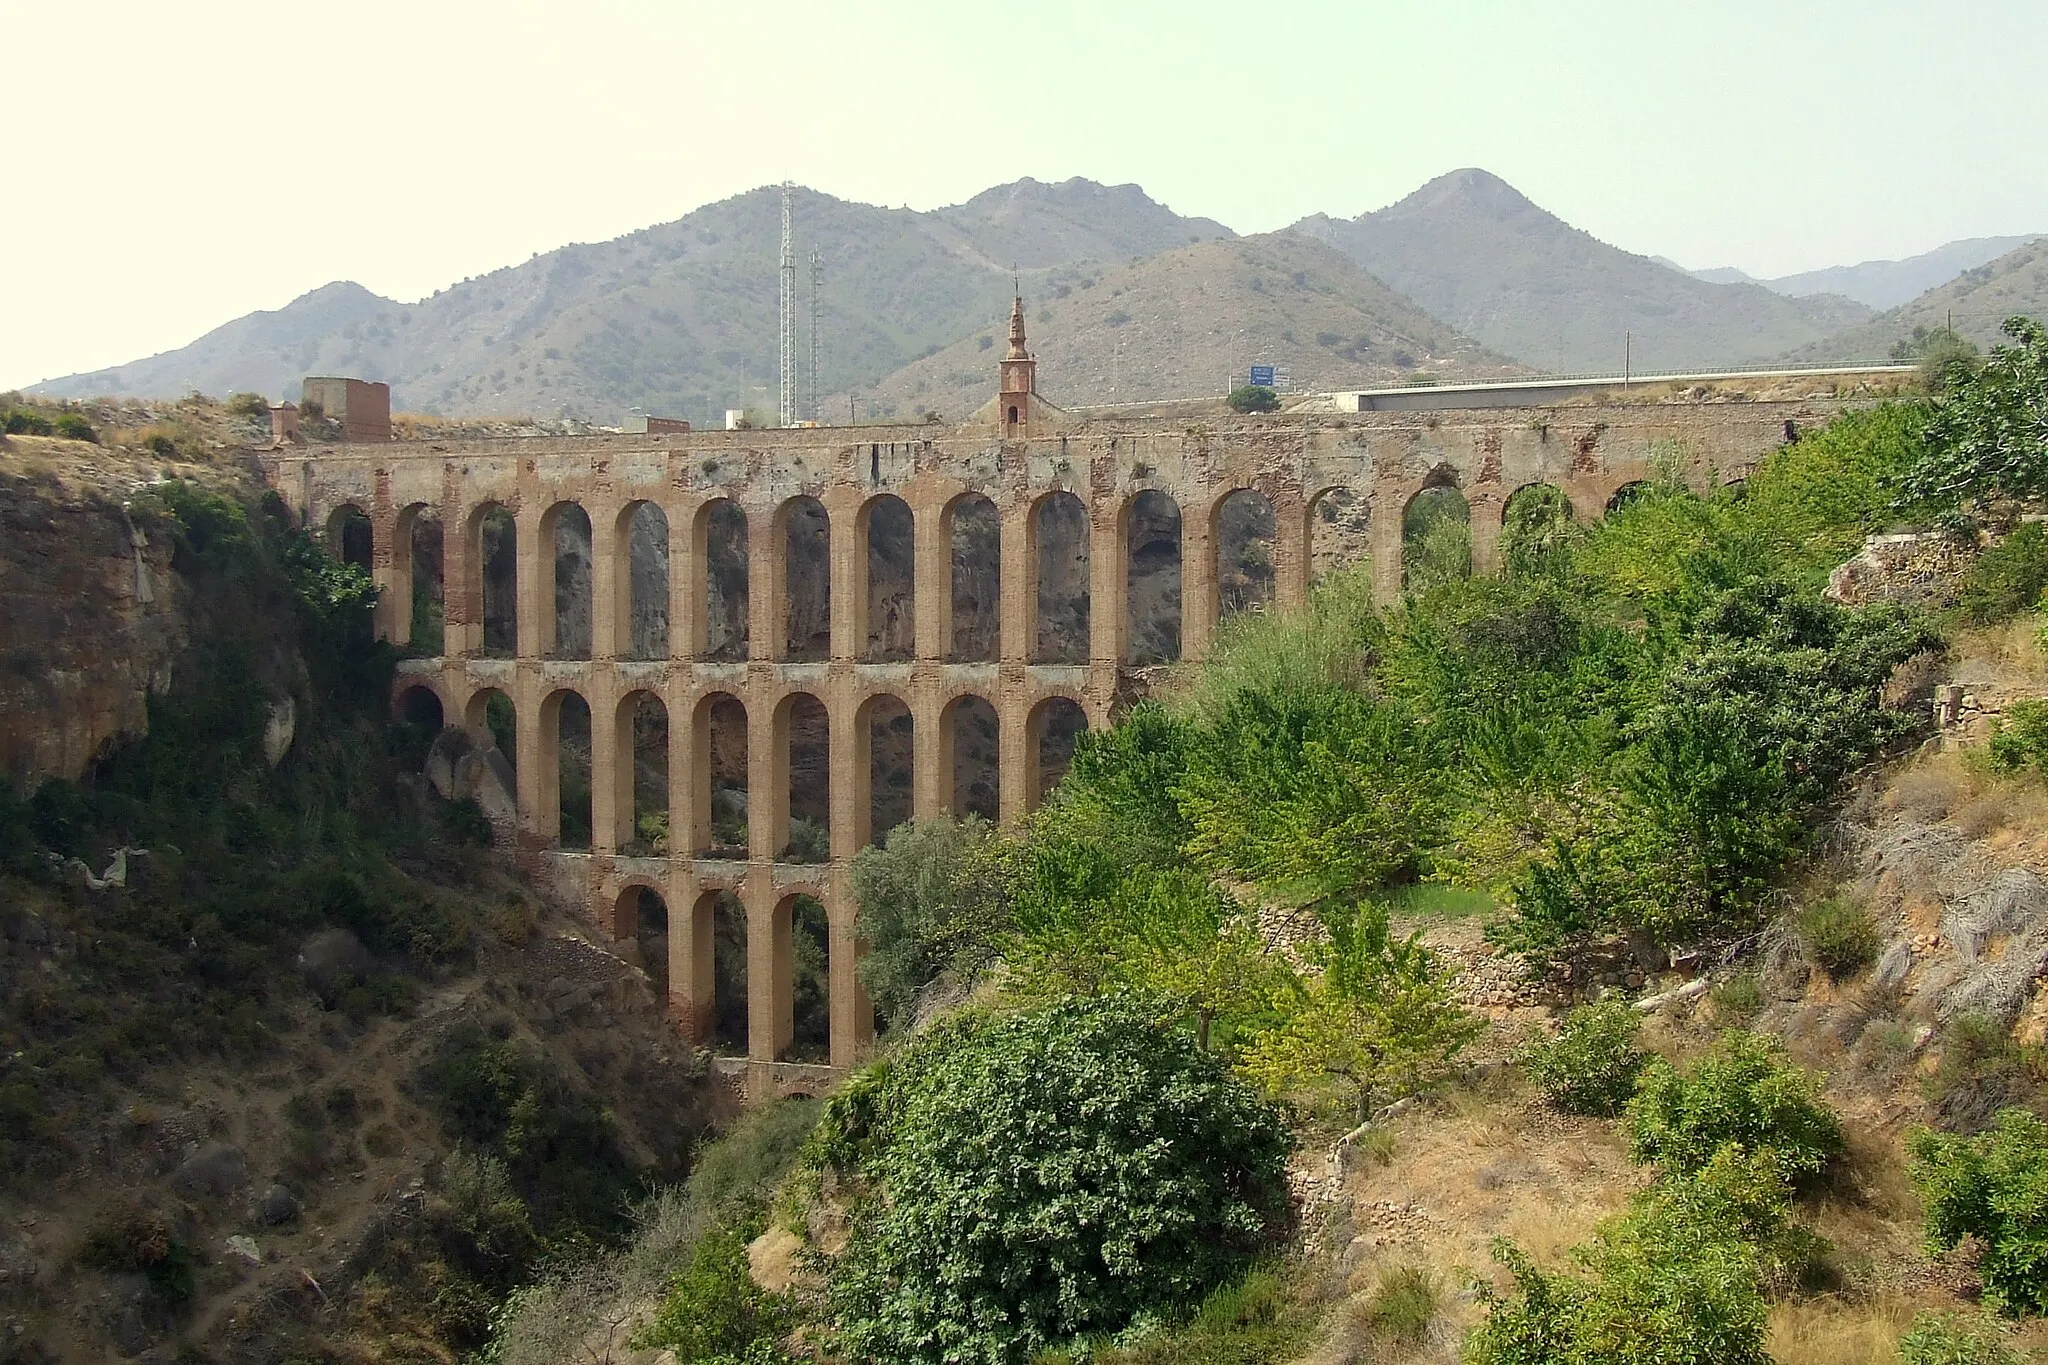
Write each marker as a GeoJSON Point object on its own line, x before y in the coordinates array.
{"type": "Point", "coordinates": [1737, 1000]}
{"type": "Point", "coordinates": [1662, 1289]}
{"type": "Point", "coordinates": [1253, 398]}
{"type": "Point", "coordinates": [73, 427]}
{"type": "Point", "coordinates": [1592, 1064]}
{"type": "Point", "coordinates": [1989, 436]}
{"type": "Point", "coordinates": [2007, 579]}
{"type": "Point", "coordinates": [1404, 1302]}
{"type": "Point", "coordinates": [1744, 1093]}
{"type": "Point", "coordinates": [1839, 935]}
{"type": "Point", "coordinates": [1031, 1177]}
{"type": "Point", "coordinates": [1263, 1319]}
{"type": "Point", "coordinates": [2019, 739]}
{"type": "Point", "coordinates": [714, 1314]}
{"type": "Point", "coordinates": [1993, 1187]}
{"type": "Point", "coordinates": [1953, 1339]}
{"type": "Point", "coordinates": [249, 405]}
{"type": "Point", "coordinates": [933, 903]}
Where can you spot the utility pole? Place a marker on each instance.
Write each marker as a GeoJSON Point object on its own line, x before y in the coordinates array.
{"type": "Point", "coordinates": [1628, 357]}
{"type": "Point", "coordinates": [786, 404]}
{"type": "Point", "coordinates": [817, 278]}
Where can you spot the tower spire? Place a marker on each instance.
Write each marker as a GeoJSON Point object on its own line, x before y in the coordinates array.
{"type": "Point", "coordinates": [1017, 351]}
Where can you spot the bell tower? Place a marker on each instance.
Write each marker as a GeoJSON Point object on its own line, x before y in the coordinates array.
{"type": "Point", "coordinates": [1019, 376]}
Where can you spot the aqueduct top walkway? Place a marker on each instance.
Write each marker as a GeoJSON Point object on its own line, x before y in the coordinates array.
{"type": "Point", "coordinates": [815, 605]}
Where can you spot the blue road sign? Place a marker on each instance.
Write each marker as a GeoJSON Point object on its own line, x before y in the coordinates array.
{"type": "Point", "coordinates": [1262, 375]}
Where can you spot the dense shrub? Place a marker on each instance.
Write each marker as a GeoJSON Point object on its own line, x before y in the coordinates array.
{"type": "Point", "coordinates": [714, 1314]}
{"type": "Point", "coordinates": [73, 427]}
{"type": "Point", "coordinates": [1591, 1066]}
{"type": "Point", "coordinates": [1030, 1177]}
{"type": "Point", "coordinates": [1251, 398]}
{"type": "Point", "coordinates": [1263, 1319]}
{"type": "Point", "coordinates": [2007, 579]}
{"type": "Point", "coordinates": [24, 422]}
{"type": "Point", "coordinates": [1992, 1187]}
{"type": "Point", "coordinates": [2019, 738]}
{"type": "Point", "coordinates": [1989, 436]}
{"type": "Point", "coordinates": [1658, 1291]}
{"type": "Point", "coordinates": [248, 405]}
{"type": "Point", "coordinates": [1953, 1339]}
{"type": "Point", "coordinates": [1745, 1093]}
{"type": "Point", "coordinates": [1839, 935]}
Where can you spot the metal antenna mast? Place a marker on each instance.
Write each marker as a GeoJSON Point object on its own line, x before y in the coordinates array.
{"type": "Point", "coordinates": [786, 413]}
{"type": "Point", "coordinates": [817, 278]}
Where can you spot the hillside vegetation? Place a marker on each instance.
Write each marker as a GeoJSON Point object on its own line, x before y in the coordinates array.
{"type": "Point", "coordinates": [1400, 877]}
{"type": "Point", "coordinates": [290, 1067]}
{"type": "Point", "coordinates": [1477, 254]}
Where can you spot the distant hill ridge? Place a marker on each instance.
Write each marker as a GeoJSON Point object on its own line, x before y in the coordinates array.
{"type": "Point", "coordinates": [1478, 254]}
{"type": "Point", "coordinates": [678, 318]}
{"type": "Point", "coordinates": [1878, 284]}
{"type": "Point", "coordinates": [1465, 276]}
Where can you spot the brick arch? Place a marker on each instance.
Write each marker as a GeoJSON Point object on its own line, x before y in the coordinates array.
{"type": "Point", "coordinates": [884, 604]}
{"type": "Point", "coordinates": [982, 792]}
{"type": "Point", "coordinates": [634, 621]}
{"type": "Point", "coordinates": [800, 612]}
{"type": "Point", "coordinates": [546, 818]}
{"type": "Point", "coordinates": [982, 640]}
{"type": "Point", "coordinates": [862, 754]}
{"type": "Point", "coordinates": [405, 688]}
{"type": "Point", "coordinates": [622, 733]}
{"type": "Point", "coordinates": [1036, 721]}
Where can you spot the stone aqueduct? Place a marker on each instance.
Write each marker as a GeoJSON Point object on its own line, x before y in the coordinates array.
{"type": "Point", "coordinates": [838, 484]}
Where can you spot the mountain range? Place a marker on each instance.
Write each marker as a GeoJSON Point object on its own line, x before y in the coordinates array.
{"type": "Point", "coordinates": [1876, 284]}
{"type": "Point", "coordinates": [1129, 301]}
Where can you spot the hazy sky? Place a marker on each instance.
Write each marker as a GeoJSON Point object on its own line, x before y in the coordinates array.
{"type": "Point", "coordinates": [172, 166]}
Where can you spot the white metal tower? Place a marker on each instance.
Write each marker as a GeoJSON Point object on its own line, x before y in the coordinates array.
{"type": "Point", "coordinates": [817, 279]}
{"type": "Point", "coordinates": [786, 414]}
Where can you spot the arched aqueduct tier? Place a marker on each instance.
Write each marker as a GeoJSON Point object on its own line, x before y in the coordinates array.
{"type": "Point", "coordinates": [769, 619]}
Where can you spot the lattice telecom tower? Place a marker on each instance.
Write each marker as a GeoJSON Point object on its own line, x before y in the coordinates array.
{"type": "Point", "coordinates": [817, 279]}
{"type": "Point", "coordinates": [786, 409]}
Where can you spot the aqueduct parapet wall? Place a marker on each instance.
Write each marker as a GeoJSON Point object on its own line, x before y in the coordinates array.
{"type": "Point", "coordinates": [1379, 460]}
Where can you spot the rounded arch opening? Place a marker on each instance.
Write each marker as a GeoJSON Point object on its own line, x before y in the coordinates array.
{"type": "Point", "coordinates": [640, 919]}
{"type": "Point", "coordinates": [1339, 531]}
{"type": "Point", "coordinates": [719, 546]}
{"type": "Point", "coordinates": [1626, 494]}
{"type": "Point", "coordinates": [1059, 537]}
{"type": "Point", "coordinates": [640, 551]}
{"type": "Point", "coordinates": [1152, 578]}
{"type": "Point", "coordinates": [493, 545]}
{"type": "Point", "coordinates": [719, 784]}
{"type": "Point", "coordinates": [640, 768]}
{"type": "Point", "coordinates": [885, 724]}
{"type": "Point", "coordinates": [565, 536]}
{"type": "Point", "coordinates": [1436, 538]}
{"type": "Point", "coordinates": [1055, 725]}
{"type": "Point", "coordinates": [1244, 533]}
{"type": "Point", "coordinates": [491, 719]}
{"type": "Point", "coordinates": [1536, 522]}
{"type": "Point", "coordinates": [720, 1002]}
{"type": "Point", "coordinates": [810, 978]}
{"type": "Point", "coordinates": [565, 745]}
{"type": "Point", "coordinates": [804, 734]}
{"type": "Point", "coordinates": [420, 707]}
{"type": "Point", "coordinates": [349, 537]}
{"type": "Point", "coordinates": [422, 594]}
{"type": "Point", "coordinates": [887, 537]}
{"type": "Point", "coordinates": [974, 531]}
{"type": "Point", "coordinates": [806, 535]}
{"type": "Point", "coordinates": [970, 758]}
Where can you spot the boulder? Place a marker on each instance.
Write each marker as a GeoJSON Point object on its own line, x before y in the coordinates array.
{"type": "Point", "coordinates": [278, 1205]}
{"type": "Point", "coordinates": [217, 1169]}
{"type": "Point", "coordinates": [333, 959]}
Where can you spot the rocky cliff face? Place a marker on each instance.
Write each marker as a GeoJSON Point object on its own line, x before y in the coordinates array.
{"type": "Point", "coordinates": [91, 617]}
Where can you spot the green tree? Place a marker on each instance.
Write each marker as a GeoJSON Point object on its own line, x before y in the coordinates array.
{"type": "Point", "coordinates": [714, 1314]}
{"type": "Point", "coordinates": [933, 905]}
{"type": "Point", "coordinates": [1536, 525]}
{"type": "Point", "coordinates": [1020, 1179]}
{"type": "Point", "coordinates": [1989, 436]}
{"type": "Point", "coordinates": [1993, 1187]}
{"type": "Point", "coordinates": [1327, 793]}
{"type": "Point", "coordinates": [1253, 398]}
{"type": "Point", "coordinates": [1378, 1019]}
